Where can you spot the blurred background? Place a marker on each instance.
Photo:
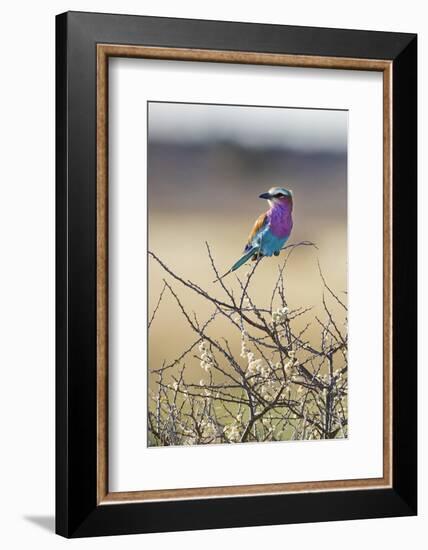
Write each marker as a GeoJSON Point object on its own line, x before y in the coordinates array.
{"type": "Point", "coordinates": [207, 165]}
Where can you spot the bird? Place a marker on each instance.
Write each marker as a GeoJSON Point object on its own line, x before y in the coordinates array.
{"type": "Point", "coordinates": [271, 229]}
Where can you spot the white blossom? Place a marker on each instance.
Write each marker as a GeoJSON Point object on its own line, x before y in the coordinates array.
{"type": "Point", "coordinates": [205, 366]}
{"type": "Point", "coordinates": [202, 346]}
{"type": "Point", "coordinates": [254, 366]}
{"type": "Point", "coordinates": [280, 315]}
{"type": "Point", "coordinates": [264, 371]}
{"type": "Point", "coordinates": [232, 432]}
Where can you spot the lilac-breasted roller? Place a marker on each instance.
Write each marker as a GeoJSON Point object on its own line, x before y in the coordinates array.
{"type": "Point", "coordinates": [271, 229]}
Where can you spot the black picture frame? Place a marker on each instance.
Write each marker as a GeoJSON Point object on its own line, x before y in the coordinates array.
{"type": "Point", "coordinates": [77, 511]}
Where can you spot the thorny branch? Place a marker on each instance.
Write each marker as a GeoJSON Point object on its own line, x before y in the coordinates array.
{"type": "Point", "coordinates": [280, 387]}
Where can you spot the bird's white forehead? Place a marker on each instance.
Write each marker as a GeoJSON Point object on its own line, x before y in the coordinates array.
{"type": "Point", "coordinates": [275, 190]}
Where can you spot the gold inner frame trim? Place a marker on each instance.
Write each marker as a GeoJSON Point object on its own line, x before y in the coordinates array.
{"type": "Point", "coordinates": [104, 51]}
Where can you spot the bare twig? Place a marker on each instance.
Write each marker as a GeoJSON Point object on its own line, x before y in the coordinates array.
{"type": "Point", "coordinates": [281, 387]}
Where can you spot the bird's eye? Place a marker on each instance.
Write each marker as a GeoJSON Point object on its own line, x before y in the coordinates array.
{"type": "Point", "coordinates": [279, 195]}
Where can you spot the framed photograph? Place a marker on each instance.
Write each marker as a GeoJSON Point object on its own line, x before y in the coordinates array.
{"type": "Point", "coordinates": [236, 274]}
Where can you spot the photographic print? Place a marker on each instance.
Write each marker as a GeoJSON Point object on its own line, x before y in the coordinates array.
{"type": "Point", "coordinates": [247, 274]}
{"type": "Point", "coordinates": [213, 234]}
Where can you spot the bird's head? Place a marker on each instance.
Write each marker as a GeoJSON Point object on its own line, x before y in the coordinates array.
{"type": "Point", "coordinates": [278, 195]}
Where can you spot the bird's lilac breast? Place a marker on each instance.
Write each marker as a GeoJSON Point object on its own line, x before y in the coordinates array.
{"type": "Point", "coordinates": [280, 221]}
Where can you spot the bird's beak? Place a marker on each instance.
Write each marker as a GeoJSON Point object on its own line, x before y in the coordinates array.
{"type": "Point", "coordinates": [265, 196]}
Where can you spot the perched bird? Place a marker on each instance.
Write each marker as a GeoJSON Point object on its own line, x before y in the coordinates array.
{"type": "Point", "coordinates": [271, 229]}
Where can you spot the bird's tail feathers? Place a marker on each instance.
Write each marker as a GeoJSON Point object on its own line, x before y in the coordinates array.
{"type": "Point", "coordinates": [240, 262]}
{"type": "Point", "coordinates": [244, 258]}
